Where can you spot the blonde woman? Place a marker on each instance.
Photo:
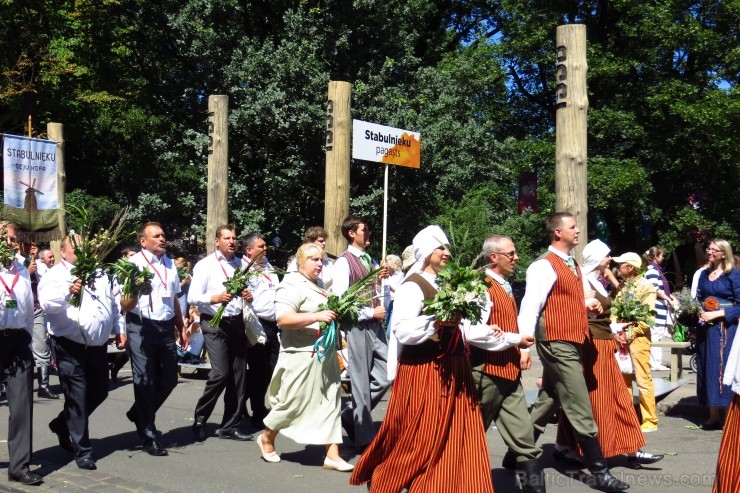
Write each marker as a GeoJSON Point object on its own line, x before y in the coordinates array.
{"type": "Point", "coordinates": [719, 292]}
{"type": "Point", "coordinates": [304, 391]}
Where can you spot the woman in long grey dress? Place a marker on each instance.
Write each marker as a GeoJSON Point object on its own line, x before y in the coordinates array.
{"type": "Point", "coordinates": [304, 390]}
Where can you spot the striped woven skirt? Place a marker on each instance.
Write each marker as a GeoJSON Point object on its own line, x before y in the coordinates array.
{"type": "Point", "coordinates": [614, 413]}
{"type": "Point", "coordinates": [432, 438]}
{"type": "Point", "coordinates": [727, 479]}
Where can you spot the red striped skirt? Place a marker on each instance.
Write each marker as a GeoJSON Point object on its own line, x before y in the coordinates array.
{"type": "Point", "coordinates": [432, 438]}
{"type": "Point", "coordinates": [614, 413]}
{"type": "Point", "coordinates": [727, 479]}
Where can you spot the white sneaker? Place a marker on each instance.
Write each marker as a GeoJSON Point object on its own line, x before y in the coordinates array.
{"type": "Point", "coordinates": [660, 367]}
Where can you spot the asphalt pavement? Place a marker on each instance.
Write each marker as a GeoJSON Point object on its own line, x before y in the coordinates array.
{"type": "Point", "coordinates": [218, 465]}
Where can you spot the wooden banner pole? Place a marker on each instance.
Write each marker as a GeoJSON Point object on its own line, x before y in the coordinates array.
{"type": "Point", "coordinates": [55, 131]}
{"type": "Point", "coordinates": [218, 166]}
{"type": "Point", "coordinates": [337, 148]}
{"type": "Point", "coordinates": [571, 152]}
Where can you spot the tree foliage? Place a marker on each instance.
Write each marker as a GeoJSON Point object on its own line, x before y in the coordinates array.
{"type": "Point", "coordinates": [130, 81]}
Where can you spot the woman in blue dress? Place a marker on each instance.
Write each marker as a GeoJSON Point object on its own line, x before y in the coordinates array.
{"type": "Point", "coordinates": [719, 293]}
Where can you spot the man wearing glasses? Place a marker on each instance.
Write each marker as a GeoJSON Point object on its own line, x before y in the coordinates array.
{"type": "Point", "coordinates": [497, 373]}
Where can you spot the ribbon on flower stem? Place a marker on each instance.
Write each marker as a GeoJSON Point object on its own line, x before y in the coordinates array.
{"type": "Point", "coordinates": [326, 341]}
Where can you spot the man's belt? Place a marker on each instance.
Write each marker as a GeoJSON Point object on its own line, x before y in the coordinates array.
{"type": "Point", "coordinates": [132, 317]}
{"type": "Point", "coordinates": [229, 320]}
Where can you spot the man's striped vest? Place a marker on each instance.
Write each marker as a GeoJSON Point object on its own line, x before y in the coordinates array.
{"type": "Point", "coordinates": [502, 364]}
{"type": "Point", "coordinates": [564, 316]}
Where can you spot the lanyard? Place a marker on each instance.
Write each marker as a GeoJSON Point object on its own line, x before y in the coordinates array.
{"type": "Point", "coordinates": [248, 262]}
{"type": "Point", "coordinates": [163, 281]}
{"type": "Point", "coordinates": [12, 286]}
{"type": "Point", "coordinates": [219, 259]}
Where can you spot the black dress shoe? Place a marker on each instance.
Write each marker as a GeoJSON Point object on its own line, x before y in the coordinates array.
{"type": "Point", "coordinates": [234, 434]}
{"type": "Point", "coordinates": [640, 458]}
{"type": "Point", "coordinates": [561, 456]}
{"type": "Point", "coordinates": [153, 447]}
{"type": "Point", "coordinates": [28, 478]}
{"type": "Point", "coordinates": [47, 393]}
{"type": "Point", "coordinates": [88, 464]}
{"type": "Point", "coordinates": [59, 428]}
{"type": "Point", "coordinates": [199, 430]}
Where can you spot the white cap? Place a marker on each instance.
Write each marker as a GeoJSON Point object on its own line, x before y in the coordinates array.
{"type": "Point", "coordinates": [425, 242]}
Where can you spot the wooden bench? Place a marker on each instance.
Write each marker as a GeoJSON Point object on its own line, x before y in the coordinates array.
{"type": "Point", "coordinates": [676, 353]}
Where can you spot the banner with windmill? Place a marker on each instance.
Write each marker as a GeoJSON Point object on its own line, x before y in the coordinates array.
{"type": "Point", "coordinates": [30, 191]}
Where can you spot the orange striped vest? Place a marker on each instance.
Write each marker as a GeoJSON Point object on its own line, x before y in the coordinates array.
{"type": "Point", "coordinates": [502, 364]}
{"type": "Point", "coordinates": [564, 316]}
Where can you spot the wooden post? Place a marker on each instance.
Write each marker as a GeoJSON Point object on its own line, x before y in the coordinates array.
{"type": "Point", "coordinates": [336, 194]}
{"type": "Point", "coordinates": [571, 172]}
{"type": "Point", "coordinates": [218, 165]}
{"type": "Point", "coordinates": [55, 131]}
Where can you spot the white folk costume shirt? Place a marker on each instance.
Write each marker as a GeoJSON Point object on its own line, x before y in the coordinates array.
{"type": "Point", "coordinates": [96, 317]}
{"type": "Point", "coordinates": [263, 283]}
{"type": "Point", "coordinates": [160, 304]}
{"type": "Point", "coordinates": [208, 279]}
{"type": "Point", "coordinates": [540, 279]}
{"type": "Point", "coordinates": [340, 283]}
{"type": "Point", "coordinates": [480, 334]}
{"type": "Point", "coordinates": [15, 290]}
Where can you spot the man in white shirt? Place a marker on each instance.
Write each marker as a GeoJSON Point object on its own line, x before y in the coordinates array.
{"type": "Point", "coordinates": [368, 346]}
{"type": "Point", "coordinates": [16, 364]}
{"type": "Point", "coordinates": [226, 342]}
{"type": "Point", "coordinates": [80, 337]}
{"type": "Point", "coordinates": [555, 307]}
{"type": "Point", "coordinates": [261, 358]}
{"type": "Point", "coordinates": [150, 336]}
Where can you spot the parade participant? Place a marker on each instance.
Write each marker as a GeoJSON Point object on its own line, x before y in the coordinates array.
{"type": "Point", "coordinates": [16, 364]}
{"type": "Point", "coordinates": [614, 413]}
{"type": "Point", "coordinates": [226, 342]}
{"type": "Point", "coordinates": [304, 391]}
{"type": "Point", "coordinates": [27, 255]}
{"type": "Point", "coordinates": [150, 325]}
{"type": "Point", "coordinates": [630, 264]}
{"type": "Point", "coordinates": [719, 292]}
{"type": "Point", "coordinates": [498, 375]}
{"type": "Point", "coordinates": [79, 341]}
{"type": "Point", "coordinates": [432, 438]}
{"type": "Point", "coordinates": [368, 346]}
{"type": "Point", "coordinates": [261, 358]}
{"type": "Point", "coordinates": [318, 235]}
{"type": "Point", "coordinates": [555, 308]}
{"type": "Point", "coordinates": [727, 477]}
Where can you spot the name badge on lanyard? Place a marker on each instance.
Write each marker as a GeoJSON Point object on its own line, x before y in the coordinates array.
{"type": "Point", "coordinates": [10, 302]}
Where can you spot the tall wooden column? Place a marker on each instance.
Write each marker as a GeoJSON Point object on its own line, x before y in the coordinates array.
{"type": "Point", "coordinates": [55, 131]}
{"type": "Point", "coordinates": [336, 192]}
{"type": "Point", "coordinates": [218, 167]}
{"type": "Point", "coordinates": [571, 152]}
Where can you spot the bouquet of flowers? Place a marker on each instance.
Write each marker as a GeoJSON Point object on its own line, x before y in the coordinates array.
{"type": "Point", "coordinates": [689, 308]}
{"type": "Point", "coordinates": [234, 285]}
{"type": "Point", "coordinates": [462, 294]}
{"type": "Point", "coordinates": [92, 248]}
{"type": "Point", "coordinates": [627, 307]}
{"type": "Point", "coordinates": [347, 307]}
{"type": "Point", "coordinates": [7, 252]}
{"type": "Point", "coordinates": [133, 279]}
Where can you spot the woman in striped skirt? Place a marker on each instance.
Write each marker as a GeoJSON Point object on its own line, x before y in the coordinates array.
{"type": "Point", "coordinates": [727, 478]}
{"type": "Point", "coordinates": [432, 438]}
{"type": "Point", "coordinates": [619, 429]}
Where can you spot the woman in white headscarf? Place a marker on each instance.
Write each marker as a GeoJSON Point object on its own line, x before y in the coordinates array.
{"type": "Point", "coordinates": [619, 429]}
{"type": "Point", "coordinates": [432, 437]}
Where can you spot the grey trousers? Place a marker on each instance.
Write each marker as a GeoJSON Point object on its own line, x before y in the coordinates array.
{"type": "Point", "coordinates": [40, 347]}
{"type": "Point", "coordinates": [503, 401]}
{"type": "Point", "coordinates": [368, 357]}
{"type": "Point", "coordinates": [563, 387]}
{"type": "Point", "coordinates": [16, 368]}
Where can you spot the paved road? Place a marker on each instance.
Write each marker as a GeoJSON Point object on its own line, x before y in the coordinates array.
{"type": "Point", "coordinates": [227, 466]}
